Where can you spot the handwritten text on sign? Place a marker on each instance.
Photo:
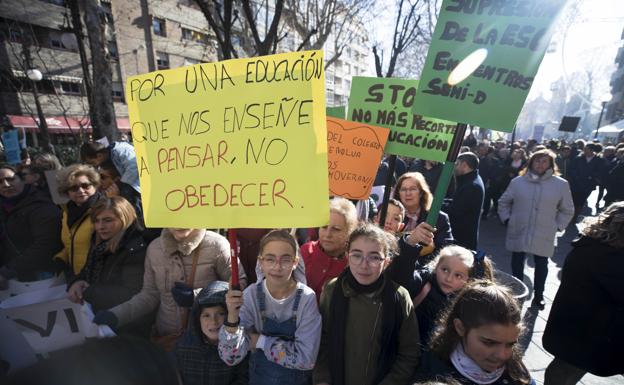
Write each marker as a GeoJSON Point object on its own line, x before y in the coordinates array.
{"type": "Point", "coordinates": [515, 35]}
{"type": "Point", "coordinates": [388, 102]}
{"type": "Point", "coordinates": [233, 143]}
{"type": "Point", "coordinates": [354, 152]}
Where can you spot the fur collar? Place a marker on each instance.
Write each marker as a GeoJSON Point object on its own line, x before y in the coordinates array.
{"type": "Point", "coordinates": [171, 246]}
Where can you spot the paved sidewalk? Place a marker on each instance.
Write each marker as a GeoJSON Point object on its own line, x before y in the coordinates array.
{"type": "Point", "coordinates": [492, 240]}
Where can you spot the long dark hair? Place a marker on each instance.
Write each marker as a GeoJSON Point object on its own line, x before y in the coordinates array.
{"type": "Point", "coordinates": [481, 303]}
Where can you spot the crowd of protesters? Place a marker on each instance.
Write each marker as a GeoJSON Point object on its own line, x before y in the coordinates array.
{"type": "Point", "coordinates": [353, 302]}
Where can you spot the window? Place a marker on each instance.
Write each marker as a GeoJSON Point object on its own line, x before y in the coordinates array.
{"type": "Point", "coordinates": [69, 88]}
{"type": "Point", "coordinates": [15, 35]}
{"type": "Point", "coordinates": [117, 92]}
{"type": "Point", "coordinates": [56, 2]}
{"type": "Point", "coordinates": [112, 50]}
{"type": "Point", "coordinates": [162, 60]}
{"type": "Point", "coordinates": [159, 26]}
{"type": "Point", "coordinates": [189, 34]}
{"type": "Point", "coordinates": [190, 61]}
{"type": "Point", "coordinates": [56, 40]}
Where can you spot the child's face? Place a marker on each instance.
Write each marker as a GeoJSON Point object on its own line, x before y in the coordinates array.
{"type": "Point", "coordinates": [278, 261]}
{"type": "Point", "coordinates": [394, 219]}
{"type": "Point", "coordinates": [211, 319]}
{"type": "Point", "coordinates": [451, 274]}
{"type": "Point", "coordinates": [490, 346]}
{"type": "Point", "coordinates": [366, 260]}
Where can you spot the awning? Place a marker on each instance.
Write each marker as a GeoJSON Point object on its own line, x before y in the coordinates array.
{"type": "Point", "coordinates": [62, 125]}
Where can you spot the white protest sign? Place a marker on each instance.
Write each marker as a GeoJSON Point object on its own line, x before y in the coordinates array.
{"type": "Point", "coordinates": [16, 287]}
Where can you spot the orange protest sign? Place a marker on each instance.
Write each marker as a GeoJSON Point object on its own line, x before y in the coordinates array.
{"type": "Point", "coordinates": [354, 150]}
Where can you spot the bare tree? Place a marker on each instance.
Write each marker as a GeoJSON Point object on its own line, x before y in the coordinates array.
{"type": "Point", "coordinates": [405, 33]}
{"type": "Point", "coordinates": [221, 17]}
{"type": "Point", "coordinates": [77, 29]}
{"type": "Point", "coordinates": [316, 21]}
{"type": "Point", "coordinates": [268, 44]}
{"type": "Point", "coordinates": [104, 115]}
{"type": "Point", "coordinates": [413, 60]}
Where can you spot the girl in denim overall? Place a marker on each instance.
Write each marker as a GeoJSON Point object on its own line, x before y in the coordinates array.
{"type": "Point", "coordinates": [276, 320]}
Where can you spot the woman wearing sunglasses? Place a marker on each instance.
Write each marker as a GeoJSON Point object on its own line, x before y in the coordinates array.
{"type": "Point", "coordinates": [80, 183]}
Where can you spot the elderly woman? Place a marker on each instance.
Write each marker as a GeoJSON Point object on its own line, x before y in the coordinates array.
{"type": "Point", "coordinates": [30, 232]}
{"type": "Point", "coordinates": [80, 183]}
{"type": "Point", "coordinates": [590, 301]}
{"type": "Point", "coordinates": [325, 259]}
{"type": "Point", "coordinates": [113, 272]}
{"type": "Point", "coordinates": [177, 263]}
{"type": "Point", "coordinates": [535, 206]}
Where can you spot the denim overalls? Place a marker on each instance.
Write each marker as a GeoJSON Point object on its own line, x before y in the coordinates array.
{"type": "Point", "coordinates": [261, 370]}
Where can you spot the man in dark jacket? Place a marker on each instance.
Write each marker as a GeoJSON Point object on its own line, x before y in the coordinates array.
{"type": "Point", "coordinates": [613, 180]}
{"type": "Point", "coordinates": [584, 175]}
{"type": "Point", "coordinates": [467, 201]}
{"type": "Point", "coordinates": [30, 229]}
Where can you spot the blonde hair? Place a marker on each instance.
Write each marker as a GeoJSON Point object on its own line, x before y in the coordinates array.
{"type": "Point", "coordinates": [122, 209]}
{"type": "Point", "coordinates": [426, 198]}
{"type": "Point", "coordinates": [67, 176]}
{"type": "Point", "coordinates": [468, 259]}
{"type": "Point", "coordinates": [608, 227]}
{"type": "Point", "coordinates": [345, 208]}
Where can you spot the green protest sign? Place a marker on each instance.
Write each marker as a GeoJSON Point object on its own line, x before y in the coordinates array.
{"type": "Point", "coordinates": [336, 112]}
{"type": "Point", "coordinates": [388, 102]}
{"type": "Point", "coordinates": [513, 37]}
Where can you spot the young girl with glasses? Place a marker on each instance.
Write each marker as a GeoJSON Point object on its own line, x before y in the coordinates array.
{"type": "Point", "coordinates": [276, 319]}
{"type": "Point", "coordinates": [370, 332]}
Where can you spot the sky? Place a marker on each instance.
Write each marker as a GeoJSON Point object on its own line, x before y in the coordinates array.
{"type": "Point", "coordinates": [591, 42]}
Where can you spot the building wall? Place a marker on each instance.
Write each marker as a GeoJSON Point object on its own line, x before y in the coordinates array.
{"type": "Point", "coordinates": [132, 38]}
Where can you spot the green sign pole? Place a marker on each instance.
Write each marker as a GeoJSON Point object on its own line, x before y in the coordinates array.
{"type": "Point", "coordinates": [445, 176]}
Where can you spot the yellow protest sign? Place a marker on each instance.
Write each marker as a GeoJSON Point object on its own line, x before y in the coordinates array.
{"type": "Point", "coordinates": [238, 143]}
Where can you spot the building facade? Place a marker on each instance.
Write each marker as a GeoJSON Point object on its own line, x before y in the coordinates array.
{"type": "Point", "coordinates": [142, 36]}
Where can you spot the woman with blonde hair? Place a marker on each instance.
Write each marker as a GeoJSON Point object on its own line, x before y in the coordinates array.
{"type": "Point", "coordinates": [113, 272]}
{"type": "Point", "coordinates": [536, 205]}
{"type": "Point", "coordinates": [80, 183]}
{"type": "Point", "coordinates": [584, 329]}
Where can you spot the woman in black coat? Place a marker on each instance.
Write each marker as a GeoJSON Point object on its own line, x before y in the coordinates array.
{"type": "Point", "coordinates": [585, 329]}
{"type": "Point", "coordinates": [114, 269]}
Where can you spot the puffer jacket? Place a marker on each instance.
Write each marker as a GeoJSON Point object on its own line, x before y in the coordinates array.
{"type": "Point", "coordinates": [536, 207]}
{"type": "Point", "coordinates": [169, 261]}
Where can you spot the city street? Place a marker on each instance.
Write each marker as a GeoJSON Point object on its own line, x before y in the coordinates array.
{"type": "Point", "coordinates": [492, 240]}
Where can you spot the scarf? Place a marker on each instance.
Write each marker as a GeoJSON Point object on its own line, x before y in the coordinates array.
{"type": "Point", "coordinates": [392, 318]}
{"type": "Point", "coordinates": [9, 204]}
{"type": "Point", "coordinates": [97, 259]}
{"type": "Point", "coordinates": [75, 212]}
{"type": "Point", "coordinates": [469, 369]}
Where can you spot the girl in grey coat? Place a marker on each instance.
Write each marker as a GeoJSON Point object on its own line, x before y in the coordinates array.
{"type": "Point", "coordinates": [535, 206]}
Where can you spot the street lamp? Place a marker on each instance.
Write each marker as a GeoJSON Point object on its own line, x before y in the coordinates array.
{"type": "Point", "coordinates": [605, 98]}
{"type": "Point", "coordinates": [34, 75]}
